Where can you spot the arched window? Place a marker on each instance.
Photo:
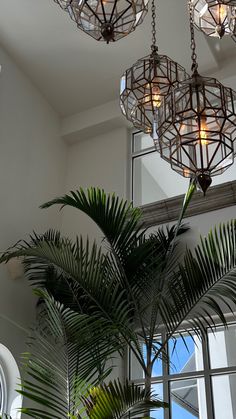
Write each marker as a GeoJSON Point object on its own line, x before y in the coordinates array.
{"type": "Point", "coordinates": [10, 400]}
{"type": "Point", "coordinates": [3, 391]}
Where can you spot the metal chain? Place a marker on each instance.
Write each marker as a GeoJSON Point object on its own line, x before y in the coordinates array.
{"type": "Point", "coordinates": [193, 43]}
{"type": "Point", "coordinates": [154, 40]}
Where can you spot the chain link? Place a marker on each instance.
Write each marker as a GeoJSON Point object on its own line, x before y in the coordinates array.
{"type": "Point", "coordinates": [154, 40]}
{"type": "Point", "coordinates": [193, 43]}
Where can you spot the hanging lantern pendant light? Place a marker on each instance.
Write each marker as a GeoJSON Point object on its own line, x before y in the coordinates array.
{"type": "Point", "coordinates": [215, 18]}
{"type": "Point", "coordinates": [146, 83]}
{"type": "Point", "coordinates": [203, 176]}
{"type": "Point", "coordinates": [106, 20]}
{"type": "Point", "coordinates": [197, 125]}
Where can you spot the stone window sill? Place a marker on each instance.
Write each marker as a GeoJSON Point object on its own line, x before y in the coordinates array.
{"type": "Point", "coordinates": [162, 212]}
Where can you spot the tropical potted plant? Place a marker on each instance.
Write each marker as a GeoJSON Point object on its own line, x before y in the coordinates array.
{"type": "Point", "coordinates": [122, 296]}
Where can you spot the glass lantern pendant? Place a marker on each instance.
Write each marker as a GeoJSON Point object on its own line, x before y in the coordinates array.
{"type": "Point", "coordinates": [215, 18]}
{"type": "Point", "coordinates": [144, 85]}
{"type": "Point", "coordinates": [197, 126]}
{"type": "Point", "coordinates": [106, 20]}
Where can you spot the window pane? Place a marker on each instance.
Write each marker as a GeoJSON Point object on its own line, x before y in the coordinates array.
{"type": "Point", "coordinates": [222, 345]}
{"type": "Point", "coordinates": [188, 400]}
{"type": "Point", "coordinates": [142, 141]}
{"type": "Point", "coordinates": [153, 177]}
{"type": "Point", "coordinates": [153, 180]}
{"type": "Point", "coordinates": [185, 354]}
{"type": "Point", "coordinates": [136, 370]}
{"type": "Point", "coordinates": [158, 390]}
{"type": "Point", "coordinates": [224, 390]}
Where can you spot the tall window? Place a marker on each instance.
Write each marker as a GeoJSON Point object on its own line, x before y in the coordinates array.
{"type": "Point", "coordinates": [152, 177]}
{"type": "Point", "coordinates": [200, 380]}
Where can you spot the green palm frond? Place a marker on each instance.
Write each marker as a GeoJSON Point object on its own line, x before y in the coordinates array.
{"type": "Point", "coordinates": [140, 283]}
{"type": "Point", "coordinates": [56, 368]}
{"type": "Point", "coordinates": [139, 258]}
{"type": "Point", "coordinates": [120, 401]}
{"type": "Point", "coordinates": [59, 354]}
{"type": "Point", "coordinates": [92, 274]}
{"type": "Point", "coordinates": [117, 287]}
{"type": "Point", "coordinates": [117, 219]}
{"type": "Point", "coordinates": [204, 286]}
{"type": "Point", "coordinates": [120, 224]}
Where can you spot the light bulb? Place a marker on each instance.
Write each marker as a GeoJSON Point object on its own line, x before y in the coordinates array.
{"type": "Point", "coordinates": [203, 131]}
{"type": "Point", "coordinates": [156, 97]}
{"type": "Point", "coordinates": [152, 96]}
{"type": "Point", "coordinates": [186, 173]}
{"type": "Point", "coordinates": [223, 11]}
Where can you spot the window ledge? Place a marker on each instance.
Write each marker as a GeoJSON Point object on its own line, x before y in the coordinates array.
{"type": "Point", "coordinates": [218, 197]}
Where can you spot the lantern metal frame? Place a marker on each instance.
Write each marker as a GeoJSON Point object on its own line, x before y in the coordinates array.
{"type": "Point", "coordinates": [197, 125]}
{"type": "Point", "coordinates": [215, 18]}
{"type": "Point", "coordinates": [106, 20]}
{"type": "Point", "coordinates": [144, 85]}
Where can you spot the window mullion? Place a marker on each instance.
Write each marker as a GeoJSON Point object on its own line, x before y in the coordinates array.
{"type": "Point", "coordinates": [207, 375]}
{"type": "Point", "coordinates": [166, 387]}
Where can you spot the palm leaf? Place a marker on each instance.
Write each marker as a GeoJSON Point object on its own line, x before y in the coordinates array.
{"type": "Point", "coordinates": [59, 355]}
{"type": "Point", "coordinates": [117, 219]}
{"type": "Point", "coordinates": [204, 286]}
{"type": "Point", "coordinates": [120, 224]}
{"type": "Point", "coordinates": [55, 369]}
{"type": "Point", "coordinates": [120, 401]}
{"type": "Point", "coordinates": [98, 280]}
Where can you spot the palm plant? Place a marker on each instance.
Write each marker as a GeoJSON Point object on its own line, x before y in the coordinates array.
{"type": "Point", "coordinates": [57, 364]}
{"type": "Point", "coordinates": [122, 295]}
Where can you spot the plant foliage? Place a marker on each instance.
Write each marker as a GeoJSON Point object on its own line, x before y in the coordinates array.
{"type": "Point", "coordinates": [101, 299]}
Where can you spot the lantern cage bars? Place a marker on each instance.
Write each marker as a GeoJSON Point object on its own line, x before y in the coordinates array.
{"type": "Point", "coordinates": [216, 18]}
{"type": "Point", "coordinates": [106, 20]}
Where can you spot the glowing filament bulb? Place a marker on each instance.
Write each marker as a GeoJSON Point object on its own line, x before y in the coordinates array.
{"type": "Point", "coordinates": [186, 173]}
{"type": "Point", "coordinates": [152, 96]}
{"type": "Point", "coordinates": [203, 131]}
{"type": "Point", "coordinates": [222, 12]}
{"type": "Point", "coordinates": [156, 97]}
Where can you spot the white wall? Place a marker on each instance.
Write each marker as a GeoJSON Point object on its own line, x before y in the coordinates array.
{"type": "Point", "coordinates": [104, 161]}
{"type": "Point", "coordinates": [101, 162]}
{"type": "Point", "coordinates": [201, 224]}
{"type": "Point", "coordinates": [36, 165]}
{"type": "Point", "coordinates": [32, 170]}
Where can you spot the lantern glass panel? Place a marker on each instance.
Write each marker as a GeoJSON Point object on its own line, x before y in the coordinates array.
{"type": "Point", "coordinates": [143, 87]}
{"type": "Point", "coordinates": [108, 20]}
{"type": "Point", "coordinates": [197, 128]}
{"type": "Point", "coordinates": [214, 17]}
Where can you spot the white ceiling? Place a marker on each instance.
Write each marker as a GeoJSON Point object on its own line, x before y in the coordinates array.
{"type": "Point", "coordinates": [73, 71]}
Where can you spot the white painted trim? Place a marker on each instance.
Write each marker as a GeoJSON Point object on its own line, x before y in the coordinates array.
{"type": "Point", "coordinates": [3, 391]}
{"type": "Point", "coordinates": [93, 122]}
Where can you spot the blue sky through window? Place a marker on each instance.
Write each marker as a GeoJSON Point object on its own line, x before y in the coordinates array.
{"type": "Point", "coordinates": [157, 367]}
{"type": "Point", "coordinates": [179, 413]}
{"type": "Point", "coordinates": [182, 359]}
{"type": "Point", "coordinates": [181, 354]}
